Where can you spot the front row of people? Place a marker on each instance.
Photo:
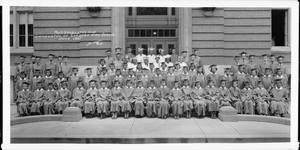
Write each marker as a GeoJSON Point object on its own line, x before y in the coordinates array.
{"type": "Point", "coordinates": [160, 102]}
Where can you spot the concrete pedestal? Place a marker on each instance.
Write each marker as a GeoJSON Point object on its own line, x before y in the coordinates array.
{"type": "Point", "coordinates": [228, 114]}
{"type": "Point", "coordinates": [71, 114]}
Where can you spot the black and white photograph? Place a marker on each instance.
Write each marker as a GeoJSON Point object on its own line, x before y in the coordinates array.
{"type": "Point", "coordinates": [164, 74]}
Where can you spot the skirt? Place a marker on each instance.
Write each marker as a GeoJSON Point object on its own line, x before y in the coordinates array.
{"type": "Point", "coordinates": [212, 106]}
{"type": "Point", "coordinates": [151, 108]}
{"type": "Point", "coordinates": [176, 107]}
{"type": "Point", "coordinates": [115, 106]}
{"type": "Point", "coordinates": [200, 107]}
{"type": "Point", "coordinates": [139, 108]}
{"type": "Point", "coordinates": [102, 107]}
{"type": "Point", "coordinates": [163, 108]}
{"type": "Point", "coordinates": [23, 108]}
{"type": "Point", "coordinates": [89, 107]}
{"type": "Point", "coordinates": [248, 107]}
{"type": "Point", "coordinates": [187, 105]}
{"type": "Point", "coordinates": [126, 106]}
{"type": "Point", "coordinates": [262, 107]}
{"type": "Point", "coordinates": [278, 106]}
{"type": "Point", "coordinates": [48, 107]}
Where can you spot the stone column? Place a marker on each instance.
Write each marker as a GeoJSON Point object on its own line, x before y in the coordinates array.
{"type": "Point", "coordinates": [185, 30]}
{"type": "Point", "coordinates": [118, 28]}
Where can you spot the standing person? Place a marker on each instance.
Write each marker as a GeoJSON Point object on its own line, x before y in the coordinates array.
{"type": "Point", "coordinates": [51, 65]}
{"type": "Point", "coordinates": [73, 79]}
{"type": "Point", "coordinates": [118, 62]}
{"type": "Point", "coordinates": [176, 100]}
{"type": "Point", "coordinates": [164, 69]}
{"type": "Point", "coordinates": [284, 79]}
{"type": "Point", "coordinates": [19, 83]}
{"type": "Point", "coordinates": [235, 96]}
{"type": "Point", "coordinates": [24, 97]}
{"type": "Point", "coordinates": [192, 69]}
{"type": "Point", "coordinates": [224, 94]}
{"type": "Point", "coordinates": [174, 56]}
{"type": "Point", "coordinates": [228, 77]}
{"type": "Point", "coordinates": [128, 95]}
{"type": "Point", "coordinates": [151, 72]}
{"type": "Point", "coordinates": [181, 62]}
{"type": "Point", "coordinates": [171, 78]}
{"type": "Point", "coordinates": [198, 99]}
{"type": "Point", "coordinates": [211, 95]}
{"type": "Point", "coordinates": [198, 59]}
{"type": "Point", "coordinates": [89, 77]}
{"type": "Point", "coordinates": [111, 71]}
{"type": "Point", "coordinates": [105, 77]}
{"type": "Point", "coordinates": [151, 55]}
{"type": "Point", "coordinates": [164, 106]}
{"type": "Point", "coordinates": [119, 77]}
{"type": "Point", "coordinates": [273, 62]}
{"type": "Point", "coordinates": [192, 60]}
{"type": "Point", "coordinates": [90, 97]}
{"type": "Point", "coordinates": [66, 68]}
{"type": "Point", "coordinates": [252, 78]}
{"type": "Point", "coordinates": [58, 80]}
{"type": "Point", "coordinates": [145, 63]}
{"type": "Point", "coordinates": [124, 71]}
{"type": "Point", "coordinates": [187, 100]}
{"type": "Point", "coordinates": [168, 61]}
{"type": "Point", "coordinates": [30, 67]}
{"type": "Point", "coordinates": [22, 67]}
{"type": "Point", "coordinates": [139, 99]}
{"type": "Point", "coordinates": [140, 56]}
{"type": "Point", "coordinates": [213, 75]}
{"type": "Point", "coordinates": [251, 65]}
{"type": "Point", "coordinates": [240, 76]}
{"type": "Point", "coordinates": [267, 79]}
{"type": "Point", "coordinates": [200, 77]}
{"type": "Point", "coordinates": [63, 97]}
{"type": "Point", "coordinates": [281, 65]}
{"type": "Point", "coordinates": [108, 59]}
{"type": "Point", "coordinates": [157, 63]}
{"type": "Point", "coordinates": [37, 99]}
{"type": "Point", "coordinates": [38, 65]}
{"type": "Point", "coordinates": [101, 65]}
{"type": "Point", "coordinates": [247, 98]}
{"type": "Point", "coordinates": [48, 78]}
{"type": "Point", "coordinates": [243, 58]}
{"type": "Point", "coordinates": [158, 77]}
{"type": "Point", "coordinates": [279, 98]}
{"type": "Point", "coordinates": [35, 79]}
{"type": "Point", "coordinates": [185, 76]}
{"type": "Point", "coordinates": [59, 64]}
{"type": "Point", "coordinates": [263, 65]}
{"type": "Point", "coordinates": [103, 100]}
{"type": "Point", "coordinates": [132, 77]}
{"type": "Point", "coordinates": [184, 57]}
{"type": "Point", "coordinates": [261, 98]}
{"type": "Point", "coordinates": [235, 66]}
{"type": "Point", "coordinates": [117, 97]}
{"type": "Point", "coordinates": [150, 100]}
{"type": "Point", "coordinates": [78, 96]}
{"type": "Point", "coordinates": [144, 78]}
{"type": "Point", "coordinates": [50, 97]}
{"type": "Point", "coordinates": [162, 55]}
{"type": "Point", "coordinates": [178, 69]}
{"type": "Point", "coordinates": [129, 54]}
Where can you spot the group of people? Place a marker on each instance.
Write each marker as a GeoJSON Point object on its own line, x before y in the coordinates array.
{"type": "Point", "coordinates": [153, 85]}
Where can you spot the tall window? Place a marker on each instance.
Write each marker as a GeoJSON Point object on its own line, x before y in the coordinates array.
{"type": "Point", "coordinates": [23, 35]}
{"type": "Point", "coordinates": [280, 28]}
{"type": "Point", "coordinates": [25, 29]}
{"type": "Point", "coordinates": [152, 11]}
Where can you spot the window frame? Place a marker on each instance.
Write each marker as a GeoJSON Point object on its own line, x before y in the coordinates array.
{"type": "Point", "coordinates": [16, 48]}
{"type": "Point", "coordinates": [287, 35]}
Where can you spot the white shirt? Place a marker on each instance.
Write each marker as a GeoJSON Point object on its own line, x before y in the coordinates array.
{"type": "Point", "coordinates": [145, 66]}
{"type": "Point", "coordinates": [169, 64]}
{"type": "Point", "coordinates": [140, 58]}
{"type": "Point", "coordinates": [131, 65]}
{"type": "Point", "coordinates": [151, 58]}
{"type": "Point", "coordinates": [156, 65]}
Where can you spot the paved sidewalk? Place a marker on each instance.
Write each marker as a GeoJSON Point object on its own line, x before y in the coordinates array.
{"type": "Point", "coordinates": [149, 130]}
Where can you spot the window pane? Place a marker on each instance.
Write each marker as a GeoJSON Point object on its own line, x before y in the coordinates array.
{"type": "Point", "coordinates": [173, 11]}
{"type": "Point", "coordinates": [30, 18]}
{"type": "Point", "coordinates": [21, 41]}
{"type": "Point", "coordinates": [154, 32]}
{"type": "Point", "coordinates": [30, 41]}
{"type": "Point", "coordinates": [11, 28]}
{"type": "Point", "coordinates": [173, 33]}
{"type": "Point", "coordinates": [143, 33]}
{"type": "Point", "coordinates": [158, 46]}
{"type": "Point", "coordinates": [167, 33]}
{"type": "Point", "coordinates": [145, 47]}
{"type": "Point", "coordinates": [130, 33]}
{"type": "Point", "coordinates": [152, 11]}
{"type": "Point", "coordinates": [130, 11]}
{"type": "Point", "coordinates": [11, 18]}
{"type": "Point", "coordinates": [148, 33]}
{"type": "Point", "coordinates": [136, 33]}
{"type": "Point", "coordinates": [170, 48]}
{"type": "Point", "coordinates": [11, 41]}
{"type": "Point", "coordinates": [160, 32]}
{"type": "Point", "coordinates": [30, 29]}
{"type": "Point", "coordinates": [133, 48]}
{"type": "Point", "coordinates": [22, 18]}
{"type": "Point", "coordinates": [22, 29]}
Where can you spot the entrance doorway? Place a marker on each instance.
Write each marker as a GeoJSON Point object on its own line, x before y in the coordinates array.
{"type": "Point", "coordinates": [167, 45]}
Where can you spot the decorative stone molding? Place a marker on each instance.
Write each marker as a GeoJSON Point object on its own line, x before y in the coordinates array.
{"type": "Point", "coordinates": [94, 11]}
{"type": "Point", "coordinates": [208, 11]}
